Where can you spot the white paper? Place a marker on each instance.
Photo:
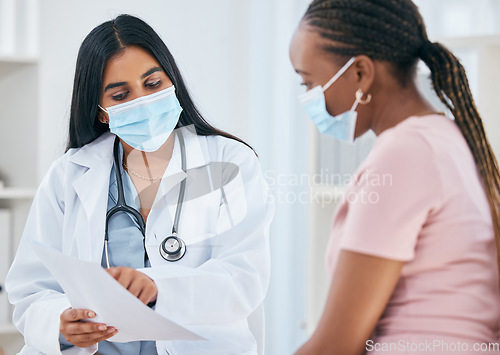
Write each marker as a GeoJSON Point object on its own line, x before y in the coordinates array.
{"type": "Point", "coordinates": [89, 286]}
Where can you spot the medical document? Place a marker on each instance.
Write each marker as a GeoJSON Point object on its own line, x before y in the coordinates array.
{"type": "Point", "coordinates": [89, 286]}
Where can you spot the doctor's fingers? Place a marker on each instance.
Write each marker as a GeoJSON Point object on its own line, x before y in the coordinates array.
{"type": "Point", "coordinates": [144, 290]}
{"type": "Point", "coordinates": [73, 315]}
{"type": "Point", "coordinates": [142, 287]}
{"type": "Point", "coordinates": [80, 327]}
{"type": "Point", "coordinates": [136, 282]}
{"type": "Point", "coordinates": [71, 324]}
{"type": "Point", "coordinates": [124, 275]}
{"type": "Point", "coordinates": [88, 339]}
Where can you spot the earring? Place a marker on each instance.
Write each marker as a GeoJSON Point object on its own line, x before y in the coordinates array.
{"type": "Point", "coordinates": [359, 97]}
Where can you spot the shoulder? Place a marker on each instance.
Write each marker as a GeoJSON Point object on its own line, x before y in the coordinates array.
{"type": "Point", "coordinates": [411, 145]}
{"type": "Point", "coordinates": [226, 149]}
{"type": "Point", "coordinates": [232, 157]}
{"type": "Point", "coordinates": [58, 167]}
{"type": "Point", "coordinates": [76, 161]}
{"type": "Point", "coordinates": [407, 156]}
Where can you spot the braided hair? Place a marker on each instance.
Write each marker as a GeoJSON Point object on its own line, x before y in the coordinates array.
{"type": "Point", "coordinates": [394, 31]}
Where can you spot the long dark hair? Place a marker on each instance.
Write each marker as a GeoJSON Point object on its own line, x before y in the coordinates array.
{"type": "Point", "coordinates": [103, 43]}
{"type": "Point", "coordinates": [394, 31]}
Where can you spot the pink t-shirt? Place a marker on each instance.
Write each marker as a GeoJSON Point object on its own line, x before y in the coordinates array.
{"type": "Point", "coordinates": [418, 198]}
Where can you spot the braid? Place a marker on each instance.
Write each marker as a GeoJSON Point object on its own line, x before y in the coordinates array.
{"type": "Point", "coordinates": [393, 31]}
{"type": "Point", "coordinates": [451, 85]}
{"type": "Point", "coordinates": [357, 24]}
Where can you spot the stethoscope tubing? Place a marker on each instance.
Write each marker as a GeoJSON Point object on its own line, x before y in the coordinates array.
{"type": "Point", "coordinates": [121, 205]}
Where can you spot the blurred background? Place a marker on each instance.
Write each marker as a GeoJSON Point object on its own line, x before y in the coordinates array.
{"type": "Point", "coordinates": [234, 57]}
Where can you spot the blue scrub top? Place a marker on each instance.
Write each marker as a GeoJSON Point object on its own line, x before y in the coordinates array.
{"type": "Point", "coordinates": [126, 248]}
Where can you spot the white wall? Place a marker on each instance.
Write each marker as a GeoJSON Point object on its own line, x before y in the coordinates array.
{"type": "Point", "coordinates": [281, 124]}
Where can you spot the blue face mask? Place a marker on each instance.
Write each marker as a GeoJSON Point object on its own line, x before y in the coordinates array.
{"type": "Point", "coordinates": [146, 122]}
{"type": "Point", "coordinates": [340, 126]}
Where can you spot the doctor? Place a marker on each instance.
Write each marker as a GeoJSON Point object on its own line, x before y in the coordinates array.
{"type": "Point", "coordinates": [192, 239]}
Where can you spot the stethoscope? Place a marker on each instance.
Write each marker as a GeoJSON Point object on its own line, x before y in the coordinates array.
{"type": "Point", "coordinates": [172, 248]}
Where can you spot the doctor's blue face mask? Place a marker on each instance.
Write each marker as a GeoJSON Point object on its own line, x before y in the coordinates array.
{"type": "Point", "coordinates": [340, 126]}
{"type": "Point", "coordinates": [146, 122]}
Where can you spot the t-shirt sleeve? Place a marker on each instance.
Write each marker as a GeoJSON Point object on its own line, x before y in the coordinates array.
{"type": "Point", "coordinates": [392, 197]}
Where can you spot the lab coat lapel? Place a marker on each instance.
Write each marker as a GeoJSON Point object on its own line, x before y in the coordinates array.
{"type": "Point", "coordinates": [174, 174]}
{"type": "Point", "coordinates": [92, 189]}
{"type": "Point", "coordinates": [194, 158]}
{"type": "Point", "coordinates": [194, 152]}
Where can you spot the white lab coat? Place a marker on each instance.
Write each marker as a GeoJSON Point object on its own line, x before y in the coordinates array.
{"type": "Point", "coordinates": [222, 278]}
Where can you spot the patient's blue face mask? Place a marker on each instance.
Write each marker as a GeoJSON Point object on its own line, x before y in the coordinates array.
{"type": "Point", "coordinates": [340, 126]}
{"type": "Point", "coordinates": [146, 122]}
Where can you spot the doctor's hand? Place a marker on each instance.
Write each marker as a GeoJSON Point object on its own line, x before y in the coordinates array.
{"type": "Point", "coordinates": [136, 282]}
{"type": "Point", "coordinates": [80, 333]}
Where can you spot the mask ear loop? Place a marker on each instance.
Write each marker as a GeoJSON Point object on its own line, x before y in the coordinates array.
{"type": "Point", "coordinates": [339, 74]}
{"type": "Point", "coordinates": [359, 99]}
{"type": "Point", "coordinates": [106, 121]}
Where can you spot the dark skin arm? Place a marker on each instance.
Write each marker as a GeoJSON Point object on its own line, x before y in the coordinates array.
{"type": "Point", "coordinates": [361, 288]}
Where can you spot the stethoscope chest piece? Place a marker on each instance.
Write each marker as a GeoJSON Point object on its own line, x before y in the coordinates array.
{"type": "Point", "coordinates": [172, 248]}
